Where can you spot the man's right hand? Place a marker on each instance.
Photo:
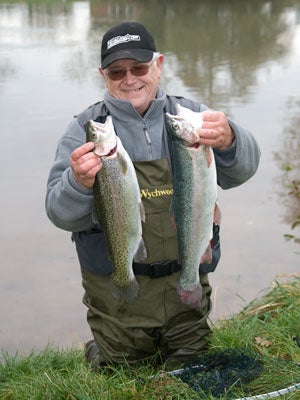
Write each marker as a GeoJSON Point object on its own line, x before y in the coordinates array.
{"type": "Point", "coordinates": [85, 165]}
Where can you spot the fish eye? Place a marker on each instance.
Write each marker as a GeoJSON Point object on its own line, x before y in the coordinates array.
{"type": "Point", "coordinates": [175, 125]}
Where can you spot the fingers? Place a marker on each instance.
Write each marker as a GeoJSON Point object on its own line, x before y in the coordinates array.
{"type": "Point", "coordinates": [85, 165]}
{"type": "Point", "coordinates": [216, 131]}
{"type": "Point", "coordinates": [213, 119]}
{"type": "Point", "coordinates": [80, 151]}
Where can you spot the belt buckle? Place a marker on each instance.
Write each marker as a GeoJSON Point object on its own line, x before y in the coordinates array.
{"type": "Point", "coordinates": [157, 269]}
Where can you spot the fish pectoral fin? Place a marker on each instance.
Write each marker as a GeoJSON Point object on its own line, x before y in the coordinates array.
{"type": "Point", "coordinates": [123, 163]}
{"type": "Point", "coordinates": [209, 155]}
{"type": "Point", "coordinates": [141, 252]}
{"type": "Point", "coordinates": [173, 222]}
{"type": "Point", "coordinates": [142, 212]}
{"type": "Point", "coordinates": [217, 215]}
{"type": "Point", "coordinates": [97, 217]}
{"type": "Point", "coordinates": [172, 216]}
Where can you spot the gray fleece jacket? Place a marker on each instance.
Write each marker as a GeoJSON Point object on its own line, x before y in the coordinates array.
{"type": "Point", "coordinates": [70, 207]}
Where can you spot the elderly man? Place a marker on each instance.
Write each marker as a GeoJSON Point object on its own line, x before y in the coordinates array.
{"type": "Point", "coordinates": [157, 323]}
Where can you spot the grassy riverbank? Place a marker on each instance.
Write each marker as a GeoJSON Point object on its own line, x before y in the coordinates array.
{"type": "Point", "coordinates": [265, 327]}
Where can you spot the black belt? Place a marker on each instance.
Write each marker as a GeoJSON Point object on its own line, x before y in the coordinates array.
{"type": "Point", "coordinates": [156, 269]}
{"type": "Point", "coordinates": [159, 269]}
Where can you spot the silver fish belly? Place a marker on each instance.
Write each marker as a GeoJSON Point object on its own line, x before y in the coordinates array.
{"type": "Point", "coordinates": [118, 207]}
{"type": "Point", "coordinates": [194, 200]}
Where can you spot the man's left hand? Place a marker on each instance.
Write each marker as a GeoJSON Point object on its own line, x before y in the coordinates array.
{"type": "Point", "coordinates": [215, 131]}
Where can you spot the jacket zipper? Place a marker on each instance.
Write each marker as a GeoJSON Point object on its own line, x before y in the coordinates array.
{"type": "Point", "coordinates": [148, 139]}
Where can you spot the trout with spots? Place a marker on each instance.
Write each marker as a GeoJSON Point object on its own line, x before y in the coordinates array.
{"type": "Point", "coordinates": [118, 207]}
{"type": "Point", "coordinates": [194, 200]}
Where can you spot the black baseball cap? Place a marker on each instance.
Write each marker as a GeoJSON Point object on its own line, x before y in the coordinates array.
{"type": "Point", "coordinates": [127, 40]}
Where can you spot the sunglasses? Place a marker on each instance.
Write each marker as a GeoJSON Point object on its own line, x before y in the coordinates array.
{"type": "Point", "coordinates": [117, 74]}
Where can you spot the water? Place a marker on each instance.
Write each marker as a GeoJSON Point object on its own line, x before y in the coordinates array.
{"type": "Point", "coordinates": [241, 57]}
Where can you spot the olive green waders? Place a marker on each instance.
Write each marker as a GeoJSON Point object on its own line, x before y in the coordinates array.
{"type": "Point", "coordinates": [157, 322]}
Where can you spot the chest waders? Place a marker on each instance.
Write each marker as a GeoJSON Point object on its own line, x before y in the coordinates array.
{"type": "Point", "coordinates": [157, 322]}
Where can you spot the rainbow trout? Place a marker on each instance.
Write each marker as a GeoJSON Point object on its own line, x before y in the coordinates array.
{"type": "Point", "coordinates": [118, 207]}
{"type": "Point", "coordinates": [194, 200]}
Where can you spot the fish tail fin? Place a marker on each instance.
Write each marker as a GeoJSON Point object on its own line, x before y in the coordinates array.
{"type": "Point", "coordinates": [128, 292]}
{"type": "Point", "coordinates": [193, 297]}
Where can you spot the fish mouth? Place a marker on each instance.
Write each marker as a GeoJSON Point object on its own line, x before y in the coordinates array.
{"type": "Point", "coordinates": [190, 145]}
{"type": "Point", "coordinates": [111, 152]}
{"type": "Point", "coordinates": [195, 145]}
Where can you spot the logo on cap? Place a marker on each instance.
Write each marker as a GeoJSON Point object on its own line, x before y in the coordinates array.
{"type": "Point", "coordinates": [122, 39]}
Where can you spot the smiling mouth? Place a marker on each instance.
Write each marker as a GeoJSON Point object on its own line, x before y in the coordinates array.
{"type": "Point", "coordinates": [133, 90]}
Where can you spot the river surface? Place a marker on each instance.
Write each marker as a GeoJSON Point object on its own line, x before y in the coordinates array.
{"type": "Point", "coordinates": [240, 57]}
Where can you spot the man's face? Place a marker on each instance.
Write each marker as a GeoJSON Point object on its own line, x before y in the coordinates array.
{"type": "Point", "coordinates": [139, 90]}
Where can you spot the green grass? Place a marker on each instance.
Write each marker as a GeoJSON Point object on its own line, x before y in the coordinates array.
{"type": "Point", "coordinates": [265, 328]}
